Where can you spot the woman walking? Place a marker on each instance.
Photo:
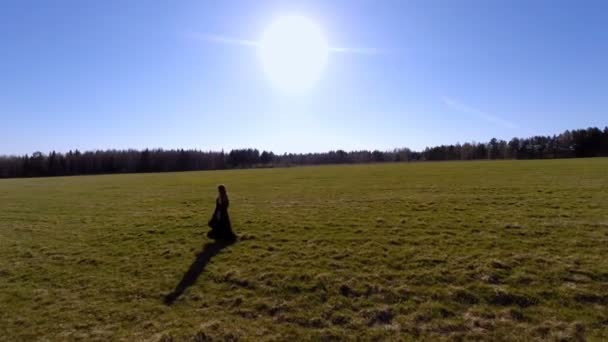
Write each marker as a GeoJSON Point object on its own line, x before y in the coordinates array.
{"type": "Point", "coordinates": [221, 229]}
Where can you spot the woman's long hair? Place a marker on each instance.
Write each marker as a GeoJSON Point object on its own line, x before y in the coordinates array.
{"type": "Point", "coordinates": [223, 195]}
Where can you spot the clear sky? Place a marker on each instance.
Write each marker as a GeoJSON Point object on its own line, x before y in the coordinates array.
{"type": "Point", "coordinates": [180, 74]}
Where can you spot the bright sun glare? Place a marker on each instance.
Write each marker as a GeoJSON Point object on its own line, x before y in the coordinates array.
{"type": "Point", "coordinates": [293, 51]}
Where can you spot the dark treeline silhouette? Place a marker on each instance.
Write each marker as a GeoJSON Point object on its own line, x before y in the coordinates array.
{"type": "Point", "coordinates": [590, 142]}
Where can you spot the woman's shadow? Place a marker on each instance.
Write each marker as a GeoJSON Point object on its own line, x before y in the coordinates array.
{"type": "Point", "coordinates": [198, 266]}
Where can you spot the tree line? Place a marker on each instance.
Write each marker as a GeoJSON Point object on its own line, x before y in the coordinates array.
{"type": "Point", "coordinates": [580, 143]}
{"type": "Point", "coordinates": [590, 142]}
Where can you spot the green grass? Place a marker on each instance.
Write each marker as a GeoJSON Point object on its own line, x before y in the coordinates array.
{"type": "Point", "coordinates": [477, 250]}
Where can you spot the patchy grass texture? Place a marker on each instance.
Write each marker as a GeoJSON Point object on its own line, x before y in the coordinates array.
{"type": "Point", "coordinates": [508, 250]}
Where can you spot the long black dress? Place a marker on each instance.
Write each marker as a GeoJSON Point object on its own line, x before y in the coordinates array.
{"type": "Point", "coordinates": [220, 222]}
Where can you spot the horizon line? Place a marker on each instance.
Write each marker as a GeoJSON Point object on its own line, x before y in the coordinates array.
{"type": "Point", "coordinates": [211, 150]}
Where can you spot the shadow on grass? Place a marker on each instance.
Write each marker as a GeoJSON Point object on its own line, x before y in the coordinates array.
{"type": "Point", "coordinates": [198, 266]}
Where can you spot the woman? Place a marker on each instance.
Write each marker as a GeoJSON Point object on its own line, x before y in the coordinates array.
{"type": "Point", "coordinates": [220, 221]}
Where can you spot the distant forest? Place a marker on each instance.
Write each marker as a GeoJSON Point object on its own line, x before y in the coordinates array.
{"type": "Point", "coordinates": [590, 142]}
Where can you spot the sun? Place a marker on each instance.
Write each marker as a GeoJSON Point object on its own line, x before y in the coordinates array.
{"type": "Point", "coordinates": [293, 52]}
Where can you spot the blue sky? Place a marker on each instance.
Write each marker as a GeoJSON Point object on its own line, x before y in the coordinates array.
{"type": "Point", "coordinates": [134, 74]}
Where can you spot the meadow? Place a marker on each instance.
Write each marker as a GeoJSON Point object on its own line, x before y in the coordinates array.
{"type": "Point", "coordinates": [501, 250]}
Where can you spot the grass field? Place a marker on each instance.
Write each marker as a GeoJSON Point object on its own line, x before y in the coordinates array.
{"type": "Point", "coordinates": [505, 250]}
